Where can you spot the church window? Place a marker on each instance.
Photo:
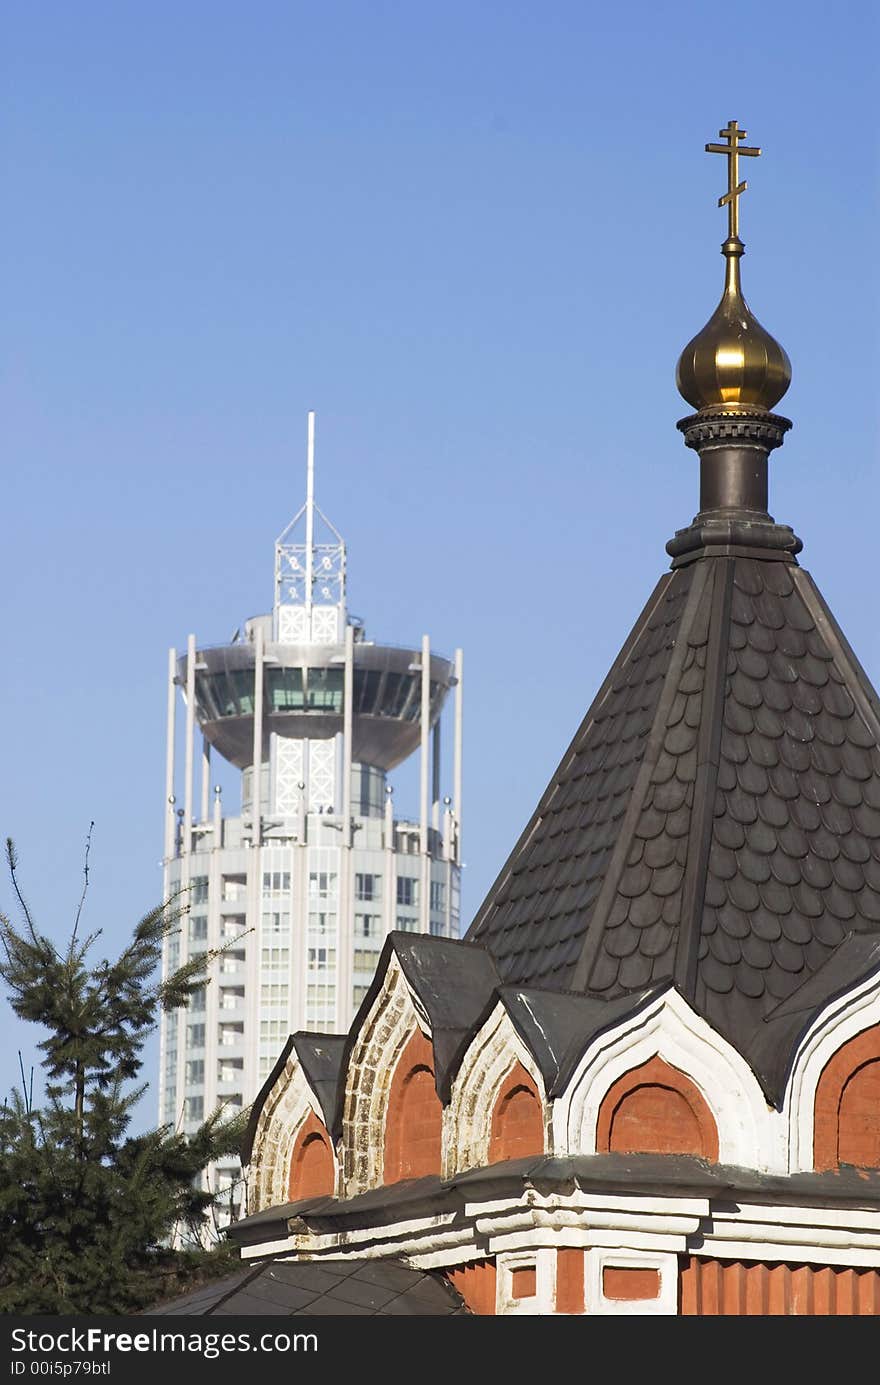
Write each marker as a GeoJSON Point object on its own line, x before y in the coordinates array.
{"type": "Point", "coordinates": [847, 1106]}
{"type": "Point", "coordinates": [517, 1119]}
{"type": "Point", "coordinates": [655, 1109]}
{"type": "Point", "coordinates": [414, 1118]}
{"type": "Point", "coordinates": [312, 1172]}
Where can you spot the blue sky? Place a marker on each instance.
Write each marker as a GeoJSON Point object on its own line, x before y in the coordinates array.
{"type": "Point", "coordinates": [473, 237]}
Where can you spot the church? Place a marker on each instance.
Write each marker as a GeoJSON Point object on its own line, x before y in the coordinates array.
{"type": "Point", "coordinates": [647, 1080]}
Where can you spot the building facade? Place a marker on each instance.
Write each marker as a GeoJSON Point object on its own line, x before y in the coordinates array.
{"type": "Point", "coordinates": [647, 1080]}
{"type": "Point", "coordinates": [298, 887]}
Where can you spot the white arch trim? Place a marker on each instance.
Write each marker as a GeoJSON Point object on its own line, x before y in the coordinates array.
{"type": "Point", "coordinates": [288, 1106]}
{"type": "Point", "coordinates": [387, 1028]}
{"type": "Point", "coordinates": [467, 1120]}
{"type": "Point", "coordinates": [750, 1133]}
{"type": "Point", "coordinates": [841, 1020]}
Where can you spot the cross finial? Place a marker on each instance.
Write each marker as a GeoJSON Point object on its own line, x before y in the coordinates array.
{"type": "Point", "coordinates": [732, 134]}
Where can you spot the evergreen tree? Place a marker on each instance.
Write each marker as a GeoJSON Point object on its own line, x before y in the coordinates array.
{"type": "Point", "coordinates": [87, 1212]}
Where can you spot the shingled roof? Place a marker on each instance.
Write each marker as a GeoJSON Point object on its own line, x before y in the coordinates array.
{"type": "Point", "coordinates": [338, 1288]}
{"type": "Point", "coordinates": [716, 820]}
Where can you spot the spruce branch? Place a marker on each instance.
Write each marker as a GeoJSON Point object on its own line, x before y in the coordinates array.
{"type": "Point", "coordinates": [82, 898]}
{"type": "Point", "coordinates": [12, 863]}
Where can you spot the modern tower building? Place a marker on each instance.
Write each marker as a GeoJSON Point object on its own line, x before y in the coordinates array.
{"type": "Point", "coordinates": [301, 883]}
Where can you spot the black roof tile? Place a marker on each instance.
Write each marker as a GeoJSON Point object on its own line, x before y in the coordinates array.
{"type": "Point", "coordinates": [741, 739]}
{"type": "Point", "coordinates": [320, 1056]}
{"type": "Point", "coordinates": [345, 1288]}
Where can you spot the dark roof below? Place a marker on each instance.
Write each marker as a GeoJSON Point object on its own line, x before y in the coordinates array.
{"type": "Point", "coordinates": [304, 1288]}
{"type": "Point", "coordinates": [716, 820]}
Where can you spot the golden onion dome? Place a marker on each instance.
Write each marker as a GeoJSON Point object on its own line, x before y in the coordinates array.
{"type": "Point", "coordinates": [733, 361]}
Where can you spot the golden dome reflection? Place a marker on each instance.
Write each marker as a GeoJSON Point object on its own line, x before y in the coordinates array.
{"type": "Point", "coordinates": [733, 360]}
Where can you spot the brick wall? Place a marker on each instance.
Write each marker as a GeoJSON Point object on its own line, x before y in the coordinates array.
{"type": "Point", "coordinates": [846, 1128]}
{"type": "Point", "coordinates": [312, 1167]}
{"type": "Point", "coordinates": [517, 1118]}
{"type": "Point", "coordinates": [715, 1288]}
{"type": "Point", "coordinates": [476, 1284]}
{"type": "Point", "coordinates": [655, 1109]}
{"type": "Point", "coordinates": [414, 1118]}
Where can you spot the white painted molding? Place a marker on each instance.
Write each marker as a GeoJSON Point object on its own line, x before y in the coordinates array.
{"type": "Point", "coordinates": [543, 1301]}
{"type": "Point", "coordinates": [285, 1111]}
{"type": "Point", "coordinates": [467, 1120]}
{"type": "Point", "coordinates": [664, 1305]}
{"type": "Point", "coordinates": [840, 1021]}
{"type": "Point", "coordinates": [387, 1029]}
{"type": "Point", "coordinates": [750, 1133]}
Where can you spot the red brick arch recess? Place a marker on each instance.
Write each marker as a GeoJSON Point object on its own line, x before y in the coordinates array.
{"type": "Point", "coordinates": [312, 1166]}
{"type": "Point", "coordinates": [655, 1109]}
{"type": "Point", "coordinates": [414, 1119]}
{"type": "Point", "coordinates": [846, 1126]}
{"type": "Point", "coordinates": [517, 1118]}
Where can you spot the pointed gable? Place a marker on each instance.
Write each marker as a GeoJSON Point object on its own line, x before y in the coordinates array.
{"type": "Point", "coordinates": [716, 821]}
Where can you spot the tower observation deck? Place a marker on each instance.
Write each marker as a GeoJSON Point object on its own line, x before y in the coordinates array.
{"type": "Point", "coordinates": [302, 882]}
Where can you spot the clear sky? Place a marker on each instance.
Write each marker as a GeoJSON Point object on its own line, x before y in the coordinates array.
{"type": "Point", "coordinates": [474, 237]}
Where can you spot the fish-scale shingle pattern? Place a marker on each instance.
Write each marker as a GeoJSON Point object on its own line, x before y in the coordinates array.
{"type": "Point", "coordinates": [794, 862]}
{"type": "Point", "coordinates": [638, 941]}
{"type": "Point", "coordinates": [535, 922]}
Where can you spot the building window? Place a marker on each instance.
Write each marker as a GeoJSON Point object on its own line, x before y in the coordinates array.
{"type": "Point", "coordinates": [272, 994]}
{"type": "Point", "coordinates": [199, 893]}
{"type": "Point", "coordinates": [321, 923]}
{"type": "Point", "coordinates": [231, 1034]}
{"type": "Point", "coordinates": [321, 995]}
{"type": "Point", "coordinates": [358, 993]}
{"type": "Point", "coordinates": [230, 1070]}
{"type": "Point", "coordinates": [275, 958]}
{"type": "Point", "coordinates": [273, 1031]}
{"type": "Point", "coordinates": [276, 881]}
{"type": "Point", "coordinates": [407, 890]}
{"type": "Point", "coordinates": [195, 1072]}
{"type": "Point", "coordinates": [234, 889]}
{"type": "Point", "coordinates": [197, 1000]}
{"type": "Point", "coordinates": [406, 923]}
{"type": "Point", "coordinates": [368, 887]}
{"type": "Point", "coordinates": [321, 958]}
{"type": "Point", "coordinates": [325, 689]}
{"type": "Point", "coordinates": [231, 996]}
{"type": "Point", "coordinates": [194, 1108]}
{"type": "Point", "coordinates": [322, 884]}
{"type": "Point", "coordinates": [364, 959]}
{"type": "Point", "coordinates": [195, 1036]}
{"type": "Point", "coordinates": [438, 896]}
{"type": "Point", "coordinates": [367, 925]}
{"type": "Point", "coordinates": [198, 927]}
{"type": "Point", "coordinates": [276, 920]}
{"type": "Point", "coordinates": [233, 925]}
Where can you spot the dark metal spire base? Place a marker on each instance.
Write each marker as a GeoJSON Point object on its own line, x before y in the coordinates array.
{"type": "Point", "coordinates": [734, 442]}
{"type": "Point", "coordinates": [715, 536]}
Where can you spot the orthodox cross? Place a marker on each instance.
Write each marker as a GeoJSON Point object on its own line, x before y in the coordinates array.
{"type": "Point", "coordinates": [732, 134]}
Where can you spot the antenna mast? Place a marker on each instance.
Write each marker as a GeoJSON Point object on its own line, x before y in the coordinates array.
{"type": "Point", "coordinates": [310, 515]}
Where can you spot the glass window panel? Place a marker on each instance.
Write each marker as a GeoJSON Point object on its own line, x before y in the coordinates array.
{"type": "Point", "coordinates": [325, 689]}
{"type": "Point", "coordinates": [407, 890]}
{"type": "Point", "coordinates": [285, 689]}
